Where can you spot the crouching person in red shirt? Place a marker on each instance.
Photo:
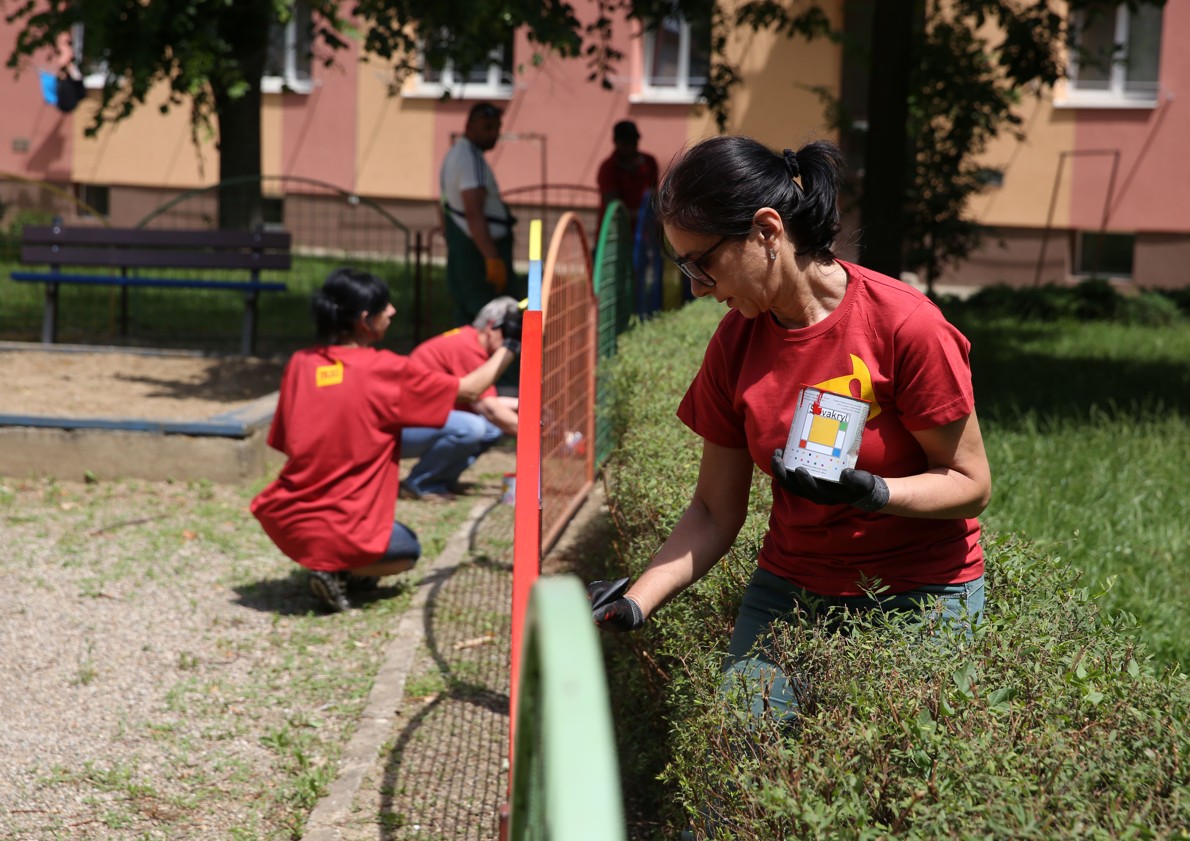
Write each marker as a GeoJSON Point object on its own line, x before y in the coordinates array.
{"type": "Point", "coordinates": [341, 409]}
{"type": "Point", "coordinates": [446, 450]}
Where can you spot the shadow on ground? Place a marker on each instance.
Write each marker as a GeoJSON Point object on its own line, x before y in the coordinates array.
{"type": "Point", "coordinates": [291, 596]}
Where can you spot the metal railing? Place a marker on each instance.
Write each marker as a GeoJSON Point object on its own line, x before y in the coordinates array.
{"type": "Point", "coordinates": [613, 282]}
{"type": "Point", "coordinates": [566, 783]}
{"type": "Point", "coordinates": [570, 319]}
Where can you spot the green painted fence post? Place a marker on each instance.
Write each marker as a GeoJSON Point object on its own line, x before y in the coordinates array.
{"type": "Point", "coordinates": [566, 781]}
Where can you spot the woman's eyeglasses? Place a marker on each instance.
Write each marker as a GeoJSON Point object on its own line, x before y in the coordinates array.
{"type": "Point", "coordinates": [692, 266]}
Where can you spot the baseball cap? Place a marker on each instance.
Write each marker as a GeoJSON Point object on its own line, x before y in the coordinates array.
{"type": "Point", "coordinates": [484, 110]}
{"type": "Point", "coordinates": [625, 130]}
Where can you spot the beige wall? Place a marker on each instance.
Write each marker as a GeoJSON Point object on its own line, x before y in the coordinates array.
{"type": "Point", "coordinates": [148, 148]}
{"type": "Point", "coordinates": [395, 142]}
{"type": "Point", "coordinates": [1030, 168]}
{"type": "Point", "coordinates": [773, 103]}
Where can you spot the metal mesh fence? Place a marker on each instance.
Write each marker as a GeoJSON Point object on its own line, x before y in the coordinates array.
{"type": "Point", "coordinates": [568, 377]}
{"type": "Point", "coordinates": [613, 288]}
{"type": "Point", "coordinates": [330, 228]}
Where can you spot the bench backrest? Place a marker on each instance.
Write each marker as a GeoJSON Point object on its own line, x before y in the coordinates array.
{"type": "Point", "coordinates": [137, 248]}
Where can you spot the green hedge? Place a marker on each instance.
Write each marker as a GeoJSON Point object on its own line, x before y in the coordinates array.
{"type": "Point", "coordinates": [1051, 723]}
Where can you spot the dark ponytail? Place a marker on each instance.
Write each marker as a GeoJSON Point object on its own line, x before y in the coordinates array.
{"type": "Point", "coordinates": [344, 297]}
{"type": "Point", "coordinates": [717, 186]}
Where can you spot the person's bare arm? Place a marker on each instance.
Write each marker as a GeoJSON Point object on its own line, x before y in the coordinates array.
{"type": "Point", "coordinates": [477, 223]}
{"type": "Point", "coordinates": [957, 481]}
{"type": "Point", "coordinates": [705, 531]}
{"type": "Point", "coordinates": [501, 411]}
{"type": "Point", "coordinates": [472, 385]}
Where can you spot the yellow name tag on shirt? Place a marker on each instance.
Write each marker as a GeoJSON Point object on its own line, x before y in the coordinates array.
{"type": "Point", "coordinates": [328, 375]}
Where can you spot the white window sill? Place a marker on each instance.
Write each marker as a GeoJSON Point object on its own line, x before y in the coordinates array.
{"type": "Point", "coordinates": [1104, 101]}
{"type": "Point", "coordinates": [663, 96]}
{"type": "Point", "coordinates": [280, 84]}
{"type": "Point", "coordinates": [427, 90]}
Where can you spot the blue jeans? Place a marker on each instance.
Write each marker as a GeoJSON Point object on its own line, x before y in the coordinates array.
{"type": "Point", "coordinates": [443, 454]}
{"type": "Point", "coordinates": [402, 543]}
{"type": "Point", "coordinates": [769, 599]}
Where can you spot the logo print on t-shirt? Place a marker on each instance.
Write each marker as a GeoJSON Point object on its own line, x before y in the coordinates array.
{"type": "Point", "coordinates": [861, 377]}
{"type": "Point", "coordinates": [329, 374]}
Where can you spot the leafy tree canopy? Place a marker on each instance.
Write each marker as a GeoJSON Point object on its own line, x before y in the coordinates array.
{"type": "Point", "coordinates": [951, 82]}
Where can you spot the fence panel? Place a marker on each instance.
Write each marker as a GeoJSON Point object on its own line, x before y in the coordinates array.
{"type": "Point", "coordinates": [570, 318]}
{"type": "Point", "coordinates": [647, 261]}
{"type": "Point", "coordinates": [613, 289]}
{"type": "Point", "coordinates": [565, 784]}
{"type": "Point", "coordinates": [331, 227]}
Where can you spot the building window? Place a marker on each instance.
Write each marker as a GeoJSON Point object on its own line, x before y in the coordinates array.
{"type": "Point", "coordinates": [1103, 255]}
{"type": "Point", "coordinates": [287, 65]}
{"type": "Point", "coordinates": [677, 58]}
{"type": "Point", "coordinates": [94, 199]}
{"type": "Point", "coordinates": [491, 79]}
{"type": "Point", "coordinates": [1115, 55]}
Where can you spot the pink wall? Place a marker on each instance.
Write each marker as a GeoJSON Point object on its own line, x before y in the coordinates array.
{"type": "Point", "coordinates": [319, 128]}
{"type": "Point", "coordinates": [574, 115]}
{"type": "Point", "coordinates": [1151, 192]}
{"type": "Point", "coordinates": [35, 138]}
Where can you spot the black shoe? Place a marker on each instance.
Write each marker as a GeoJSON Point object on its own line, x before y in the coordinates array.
{"type": "Point", "coordinates": [330, 589]}
{"type": "Point", "coordinates": [360, 583]}
{"type": "Point", "coordinates": [407, 492]}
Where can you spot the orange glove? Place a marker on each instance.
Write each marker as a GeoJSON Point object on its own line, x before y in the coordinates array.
{"type": "Point", "coordinates": [497, 273]}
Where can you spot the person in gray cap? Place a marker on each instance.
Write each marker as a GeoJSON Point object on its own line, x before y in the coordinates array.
{"type": "Point", "coordinates": [628, 174]}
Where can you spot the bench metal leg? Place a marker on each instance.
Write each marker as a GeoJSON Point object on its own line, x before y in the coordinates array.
{"type": "Point", "coordinates": [124, 311]}
{"type": "Point", "coordinates": [248, 336]}
{"type": "Point", "coordinates": [49, 321]}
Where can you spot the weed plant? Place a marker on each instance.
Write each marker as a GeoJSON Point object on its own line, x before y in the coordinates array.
{"type": "Point", "coordinates": [1053, 722]}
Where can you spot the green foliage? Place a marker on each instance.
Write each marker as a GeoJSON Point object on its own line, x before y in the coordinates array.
{"type": "Point", "coordinates": [1050, 724]}
{"type": "Point", "coordinates": [1053, 722]}
{"type": "Point", "coordinates": [1093, 299]}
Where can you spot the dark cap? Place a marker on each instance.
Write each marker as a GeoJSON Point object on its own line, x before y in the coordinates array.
{"type": "Point", "coordinates": [483, 110]}
{"type": "Point", "coordinates": [624, 131]}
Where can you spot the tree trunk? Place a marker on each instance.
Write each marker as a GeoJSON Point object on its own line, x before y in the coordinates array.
{"type": "Point", "coordinates": [246, 28]}
{"type": "Point", "coordinates": [888, 159]}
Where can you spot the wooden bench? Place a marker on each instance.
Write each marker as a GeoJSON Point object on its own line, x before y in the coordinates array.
{"type": "Point", "coordinates": [126, 252]}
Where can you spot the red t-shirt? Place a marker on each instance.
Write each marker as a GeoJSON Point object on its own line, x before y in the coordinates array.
{"type": "Point", "coordinates": [339, 419]}
{"type": "Point", "coordinates": [456, 352]}
{"type": "Point", "coordinates": [628, 184]}
{"type": "Point", "coordinates": [888, 344]}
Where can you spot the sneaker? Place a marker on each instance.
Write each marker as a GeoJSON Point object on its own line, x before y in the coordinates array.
{"type": "Point", "coordinates": [330, 589]}
{"type": "Point", "coordinates": [407, 492]}
{"type": "Point", "coordinates": [360, 583]}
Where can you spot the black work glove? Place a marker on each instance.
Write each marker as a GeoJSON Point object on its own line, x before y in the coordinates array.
{"type": "Point", "coordinates": [611, 609]}
{"type": "Point", "coordinates": [510, 327]}
{"type": "Point", "coordinates": [866, 491]}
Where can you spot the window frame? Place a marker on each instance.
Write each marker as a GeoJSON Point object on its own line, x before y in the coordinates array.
{"type": "Point", "coordinates": [298, 74]}
{"type": "Point", "coordinates": [499, 84]}
{"type": "Point", "coordinates": [1078, 270]}
{"type": "Point", "coordinates": [1117, 94]}
{"type": "Point", "coordinates": [682, 91]}
{"type": "Point", "coordinates": [95, 76]}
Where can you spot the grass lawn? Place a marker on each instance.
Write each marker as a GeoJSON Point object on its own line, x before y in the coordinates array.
{"type": "Point", "coordinates": [1087, 427]}
{"type": "Point", "coordinates": [211, 320]}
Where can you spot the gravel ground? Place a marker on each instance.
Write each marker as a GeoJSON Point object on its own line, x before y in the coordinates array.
{"type": "Point", "coordinates": [164, 673]}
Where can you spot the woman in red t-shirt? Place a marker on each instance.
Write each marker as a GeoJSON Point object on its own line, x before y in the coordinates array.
{"type": "Point", "coordinates": [341, 409]}
{"type": "Point", "coordinates": [755, 229]}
